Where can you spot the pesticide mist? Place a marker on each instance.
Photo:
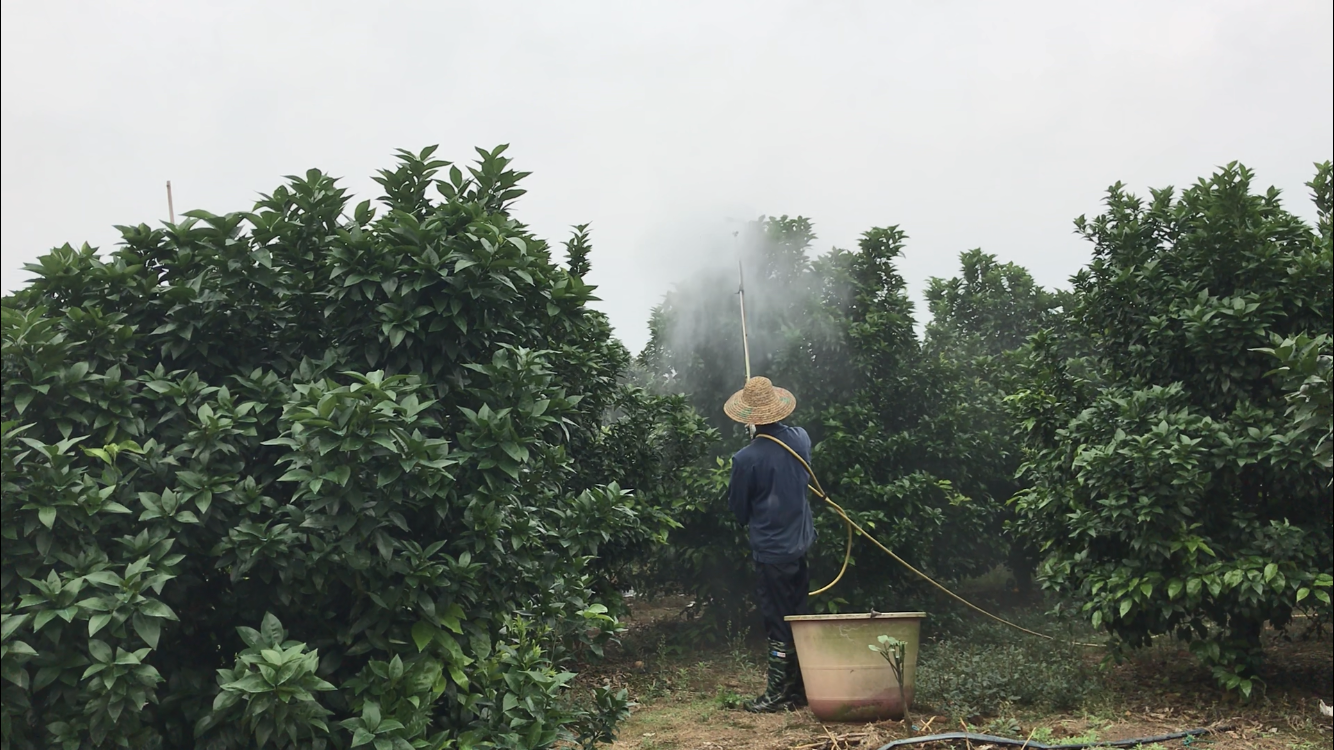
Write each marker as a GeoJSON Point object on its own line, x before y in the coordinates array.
{"type": "Point", "coordinates": [793, 307]}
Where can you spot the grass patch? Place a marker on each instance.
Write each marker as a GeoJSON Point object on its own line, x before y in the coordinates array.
{"type": "Point", "coordinates": [988, 669]}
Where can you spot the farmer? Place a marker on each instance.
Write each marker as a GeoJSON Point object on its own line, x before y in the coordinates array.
{"type": "Point", "coordinates": [768, 493]}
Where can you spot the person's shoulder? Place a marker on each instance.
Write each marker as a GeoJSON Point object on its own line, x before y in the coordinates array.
{"type": "Point", "coordinates": [745, 455]}
{"type": "Point", "coordinates": [802, 440]}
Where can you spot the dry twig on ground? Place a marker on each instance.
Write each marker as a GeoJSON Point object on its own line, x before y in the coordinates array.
{"type": "Point", "coordinates": [869, 736]}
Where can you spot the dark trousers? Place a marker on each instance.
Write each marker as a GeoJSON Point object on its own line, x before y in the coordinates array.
{"type": "Point", "coordinates": [782, 591]}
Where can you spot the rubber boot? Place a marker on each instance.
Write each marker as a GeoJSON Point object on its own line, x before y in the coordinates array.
{"type": "Point", "coordinates": [783, 692]}
{"type": "Point", "coordinates": [798, 683]}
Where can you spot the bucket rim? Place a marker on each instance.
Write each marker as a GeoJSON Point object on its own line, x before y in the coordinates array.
{"type": "Point", "coordinates": [858, 616]}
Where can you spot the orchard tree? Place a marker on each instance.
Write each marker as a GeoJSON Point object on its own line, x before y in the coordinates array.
{"type": "Point", "coordinates": [896, 452]}
{"type": "Point", "coordinates": [979, 322]}
{"type": "Point", "coordinates": [1170, 489]}
{"type": "Point", "coordinates": [989, 309]}
{"type": "Point", "coordinates": [317, 475]}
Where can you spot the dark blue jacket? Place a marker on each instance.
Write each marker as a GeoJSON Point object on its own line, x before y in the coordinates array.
{"type": "Point", "coordinates": [768, 493]}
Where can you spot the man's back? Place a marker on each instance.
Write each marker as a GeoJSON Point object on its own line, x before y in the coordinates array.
{"type": "Point", "coordinates": [768, 493]}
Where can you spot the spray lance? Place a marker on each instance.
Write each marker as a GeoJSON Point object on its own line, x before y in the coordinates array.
{"type": "Point", "coordinates": [745, 338]}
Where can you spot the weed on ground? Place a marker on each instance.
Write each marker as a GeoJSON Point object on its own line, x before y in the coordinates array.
{"type": "Point", "coordinates": [988, 669]}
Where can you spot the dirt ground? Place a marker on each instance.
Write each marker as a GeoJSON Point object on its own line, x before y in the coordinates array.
{"type": "Point", "coordinates": [688, 694]}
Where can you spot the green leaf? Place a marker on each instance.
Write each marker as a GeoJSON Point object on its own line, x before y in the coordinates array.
{"type": "Point", "coordinates": [97, 622]}
{"type": "Point", "coordinates": [10, 623]}
{"type": "Point", "coordinates": [100, 651]}
{"type": "Point", "coordinates": [271, 629]}
{"type": "Point", "coordinates": [156, 608]}
{"type": "Point", "coordinates": [452, 649]}
{"type": "Point", "coordinates": [43, 617]}
{"type": "Point", "coordinates": [47, 515]}
{"type": "Point", "coordinates": [453, 614]}
{"type": "Point", "coordinates": [370, 715]}
{"type": "Point", "coordinates": [422, 634]}
{"type": "Point", "coordinates": [148, 628]}
{"type": "Point", "coordinates": [21, 648]}
{"type": "Point", "coordinates": [460, 679]}
{"type": "Point", "coordinates": [1126, 604]}
{"type": "Point", "coordinates": [98, 453]}
{"type": "Point", "coordinates": [515, 451]}
{"type": "Point", "coordinates": [251, 683]}
{"type": "Point", "coordinates": [137, 567]}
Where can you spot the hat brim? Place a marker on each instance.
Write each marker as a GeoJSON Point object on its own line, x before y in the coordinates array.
{"type": "Point", "coordinates": [739, 411]}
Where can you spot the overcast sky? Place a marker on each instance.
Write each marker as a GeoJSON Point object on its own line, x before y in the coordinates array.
{"type": "Point", "coordinates": [968, 123]}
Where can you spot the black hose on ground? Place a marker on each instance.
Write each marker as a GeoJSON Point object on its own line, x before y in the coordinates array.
{"type": "Point", "coordinates": [970, 736]}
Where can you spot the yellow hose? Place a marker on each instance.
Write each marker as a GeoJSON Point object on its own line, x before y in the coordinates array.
{"type": "Point", "coordinates": [847, 554]}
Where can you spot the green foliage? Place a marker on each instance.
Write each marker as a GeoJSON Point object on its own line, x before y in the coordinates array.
{"type": "Point", "coordinates": [892, 649]}
{"type": "Point", "coordinates": [656, 447]}
{"type": "Point", "coordinates": [990, 309]}
{"type": "Point", "coordinates": [598, 725]}
{"type": "Point", "coordinates": [1170, 489]}
{"type": "Point", "coordinates": [273, 687]}
{"type": "Point", "coordinates": [1306, 367]}
{"type": "Point", "coordinates": [987, 670]}
{"type": "Point", "coordinates": [726, 698]}
{"type": "Point", "coordinates": [376, 437]}
{"type": "Point", "coordinates": [707, 556]}
{"type": "Point", "coordinates": [979, 322]}
{"type": "Point", "coordinates": [899, 448]}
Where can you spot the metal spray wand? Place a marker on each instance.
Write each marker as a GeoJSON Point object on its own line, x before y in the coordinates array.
{"type": "Point", "coordinates": [745, 338]}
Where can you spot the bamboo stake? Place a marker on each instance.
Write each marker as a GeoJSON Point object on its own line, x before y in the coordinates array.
{"type": "Point", "coordinates": [171, 208]}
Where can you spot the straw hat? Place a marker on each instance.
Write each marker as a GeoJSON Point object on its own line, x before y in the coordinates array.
{"type": "Point", "coordinates": [760, 402]}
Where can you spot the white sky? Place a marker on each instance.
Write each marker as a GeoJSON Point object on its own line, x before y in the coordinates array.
{"type": "Point", "coordinates": [969, 123]}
